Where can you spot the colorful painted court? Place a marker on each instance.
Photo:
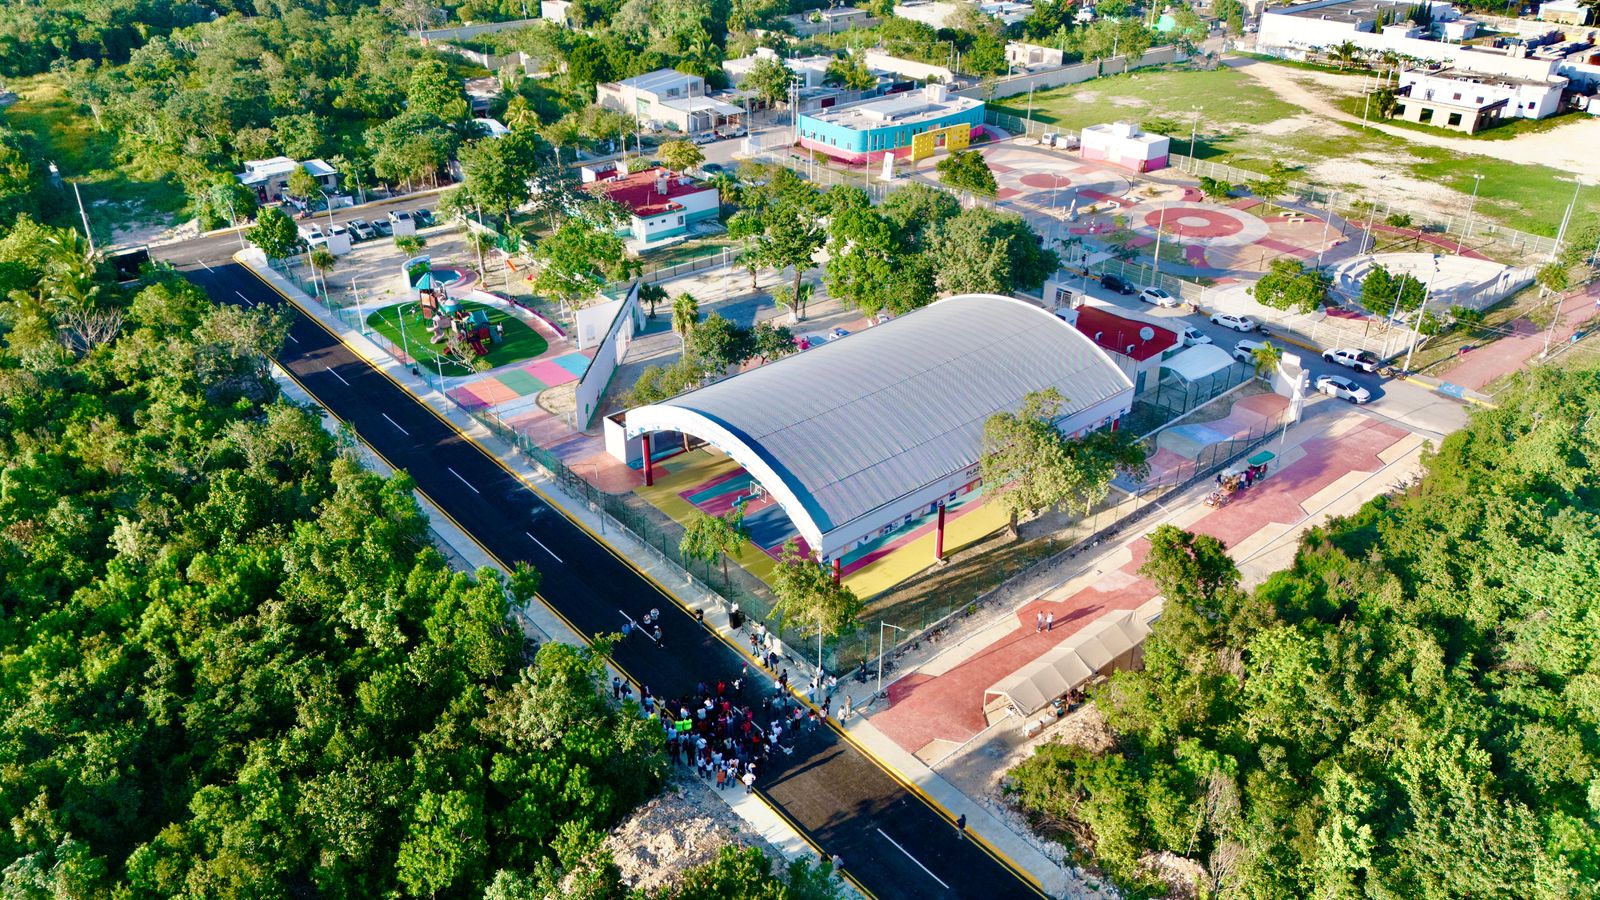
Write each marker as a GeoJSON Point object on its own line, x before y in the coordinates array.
{"type": "Point", "coordinates": [706, 480]}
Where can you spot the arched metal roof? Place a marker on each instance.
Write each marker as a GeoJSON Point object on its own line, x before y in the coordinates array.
{"type": "Point", "coordinates": [841, 431]}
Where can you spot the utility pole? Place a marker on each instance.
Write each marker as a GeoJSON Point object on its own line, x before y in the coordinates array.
{"type": "Point", "coordinates": [881, 626]}
{"type": "Point", "coordinates": [1561, 234]}
{"type": "Point", "coordinates": [1193, 130]}
{"type": "Point", "coordinates": [86, 232]}
{"type": "Point", "coordinates": [1422, 313]}
{"type": "Point", "coordinates": [1467, 231]}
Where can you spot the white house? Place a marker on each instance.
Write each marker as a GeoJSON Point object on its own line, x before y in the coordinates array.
{"type": "Point", "coordinates": [811, 70]}
{"type": "Point", "coordinates": [660, 205]}
{"type": "Point", "coordinates": [1564, 12]}
{"type": "Point", "coordinates": [1125, 145]}
{"type": "Point", "coordinates": [1470, 102]}
{"type": "Point", "coordinates": [827, 21]}
{"type": "Point", "coordinates": [269, 177]}
{"type": "Point", "coordinates": [1033, 56]}
{"type": "Point", "coordinates": [668, 99]}
{"type": "Point", "coordinates": [556, 11]}
{"type": "Point", "coordinates": [937, 13]}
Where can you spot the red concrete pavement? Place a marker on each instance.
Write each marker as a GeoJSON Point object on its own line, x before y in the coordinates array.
{"type": "Point", "coordinates": [1526, 341]}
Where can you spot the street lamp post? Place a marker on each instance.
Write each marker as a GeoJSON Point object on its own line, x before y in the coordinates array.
{"type": "Point", "coordinates": [361, 316]}
{"type": "Point", "coordinates": [881, 626]}
{"type": "Point", "coordinates": [1467, 231]}
{"type": "Point", "coordinates": [1422, 313]}
{"type": "Point", "coordinates": [1193, 130]}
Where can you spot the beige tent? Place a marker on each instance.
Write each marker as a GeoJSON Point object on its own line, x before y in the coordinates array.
{"type": "Point", "coordinates": [1109, 642]}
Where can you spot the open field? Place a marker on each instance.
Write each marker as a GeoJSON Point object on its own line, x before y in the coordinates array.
{"type": "Point", "coordinates": [1256, 112]}
{"type": "Point", "coordinates": [65, 134]}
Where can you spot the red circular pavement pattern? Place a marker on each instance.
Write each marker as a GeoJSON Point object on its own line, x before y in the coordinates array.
{"type": "Point", "coordinates": [1206, 223]}
{"type": "Point", "coordinates": [1045, 181]}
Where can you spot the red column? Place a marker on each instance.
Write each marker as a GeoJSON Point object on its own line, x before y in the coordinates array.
{"type": "Point", "coordinates": [938, 537]}
{"type": "Point", "coordinates": [649, 470]}
{"type": "Point", "coordinates": [1113, 424]}
{"type": "Point", "coordinates": [836, 571]}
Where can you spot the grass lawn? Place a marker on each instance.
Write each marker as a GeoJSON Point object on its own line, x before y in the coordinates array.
{"type": "Point", "coordinates": [521, 342]}
{"type": "Point", "coordinates": [1228, 96]}
{"type": "Point", "coordinates": [1528, 198]}
{"type": "Point", "coordinates": [694, 248]}
{"type": "Point", "coordinates": [66, 135]}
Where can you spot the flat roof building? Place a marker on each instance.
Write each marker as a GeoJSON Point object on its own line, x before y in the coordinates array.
{"type": "Point", "coordinates": [1472, 101]}
{"type": "Point", "coordinates": [855, 437]}
{"type": "Point", "coordinates": [269, 177]}
{"type": "Point", "coordinates": [868, 131]}
{"type": "Point", "coordinates": [1125, 145]}
{"type": "Point", "coordinates": [668, 99]}
{"type": "Point", "coordinates": [1137, 347]}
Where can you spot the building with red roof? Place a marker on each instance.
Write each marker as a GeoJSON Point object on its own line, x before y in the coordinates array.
{"type": "Point", "coordinates": [1136, 346]}
{"type": "Point", "coordinates": [661, 204]}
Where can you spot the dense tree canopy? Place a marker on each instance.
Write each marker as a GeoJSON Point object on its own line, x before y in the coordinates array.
{"type": "Point", "coordinates": [1408, 711]}
{"type": "Point", "coordinates": [234, 664]}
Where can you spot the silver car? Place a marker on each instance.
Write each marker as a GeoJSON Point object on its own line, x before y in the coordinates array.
{"type": "Point", "coordinates": [1343, 388]}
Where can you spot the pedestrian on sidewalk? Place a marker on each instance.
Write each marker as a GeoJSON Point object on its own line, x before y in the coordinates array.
{"type": "Point", "coordinates": [750, 781]}
{"type": "Point", "coordinates": [616, 688]}
{"type": "Point", "coordinates": [838, 863]}
{"type": "Point", "coordinates": [1038, 621]}
{"type": "Point", "coordinates": [961, 826]}
{"type": "Point", "coordinates": [658, 636]}
{"type": "Point", "coordinates": [722, 778]}
{"type": "Point", "coordinates": [1050, 621]}
{"type": "Point", "coordinates": [845, 712]}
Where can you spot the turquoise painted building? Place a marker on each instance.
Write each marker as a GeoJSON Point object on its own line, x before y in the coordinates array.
{"type": "Point", "coordinates": [868, 131]}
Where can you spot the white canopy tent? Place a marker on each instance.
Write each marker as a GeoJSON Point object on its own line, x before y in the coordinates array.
{"type": "Point", "coordinates": [1199, 361]}
{"type": "Point", "coordinates": [1109, 642]}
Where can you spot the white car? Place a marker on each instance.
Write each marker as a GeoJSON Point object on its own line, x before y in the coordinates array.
{"type": "Point", "coordinates": [1245, 351]}
{"type": "Point", "coordinates": [1360, 360]}
{"type": "Point", "coordinates": [1343, 388]}
{"type": "Point", "coordinates": [1193, 337]}
{"type": "Point", "coordinates": [1237, 323]}
{"type": "Point", "coordinates": [1158, 297]}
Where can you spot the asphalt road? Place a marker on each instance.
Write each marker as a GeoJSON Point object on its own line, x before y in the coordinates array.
{"type": "Point", "coordinates": [894, 843]}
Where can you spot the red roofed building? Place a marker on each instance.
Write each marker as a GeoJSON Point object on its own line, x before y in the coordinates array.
{"type": "Point", "coordinates": [1124, 338]}
{"type": "Point", "coordinates": [662, 205]}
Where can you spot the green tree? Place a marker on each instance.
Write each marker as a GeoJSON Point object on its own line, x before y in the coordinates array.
{"type": "Point", "coordinates": [651, 295]}
{"type": "Point", "coordinates": [717, 345]}
{"type": "Point", "coordinates": [851, 73]}
{"type": "Point", "coordinates": [1382, 291]}
{"type": "Point", "coordinates": [806, 595]}
{"type": "Point", "coordinates": [680, 156]}
{"type": "Point", "coordinates": [771, 342]}
{"type": "Point", "coordinates": [275, 233]}
{"type": "Point", "coordinates": [967, 170]}
{"type": "Point", "coordinates": [1266, 358]}
{"type": "Point", "coordinates": [433, 91]}
{"type": "Point", "coordinates": [495, 174]}
{"type": "Point", "coordinates": [685, 315]}
{"type": "Point", "coordinates": [1215, 189]}
{"type": "Point", "coordinates": [1290, 286]}
{"type": "Point", "coordinates": [769, 80]}
{"type": "Point", "coordinates": [792, 236]}
{"type": "Point", "coordinates": [578, 260]}
{"type": "Point", "coordinates": [1028, 465]}
{"type": "Point", "coordinates": [984, 251]}
{"type": "Point", "coordinates": [868, 270]}
{"type": "Point", "coordinates": [303, 186]}
{"type": "Point", "coordinates": [657, 383]}
{"type": "Point", "coordinates": [1273, 185]}
{"type": "Point", "coordinates": [916, 210]}
{"type": "Point", "coordinates": [409, 244]}
{"type": "Point", "coordinates": [705, 538]}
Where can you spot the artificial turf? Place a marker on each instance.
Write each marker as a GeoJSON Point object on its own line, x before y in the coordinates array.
{"type": "Point", "coordinates": [520, 343]}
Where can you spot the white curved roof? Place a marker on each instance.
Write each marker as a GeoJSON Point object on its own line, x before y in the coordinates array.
{"type": "Point", "coordinates": [840, 431]}
{"type": "Point", "coordinates": [1199, 361]}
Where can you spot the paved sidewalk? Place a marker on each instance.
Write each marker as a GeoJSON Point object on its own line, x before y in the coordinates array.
{"type": "Point", "coordinates": [1526, 341]}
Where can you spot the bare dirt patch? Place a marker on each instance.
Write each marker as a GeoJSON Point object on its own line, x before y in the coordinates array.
{"type": "Point", "coordinates": [687, 826]}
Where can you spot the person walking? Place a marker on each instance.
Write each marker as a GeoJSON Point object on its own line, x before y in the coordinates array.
{"type": "Point", "coordinates": [961, 826]}
{"type": "Point", "coordinates": [658, 637]}
{"type": "Point", "coordinates": [838, 863]}
{"type": "Point", "coordinates": [1038, 621]}
{"type": "Point", "coordinates": [1050, 621]}
{"type": "Point", "coordinates": [616, 688]}
{"type": "Point", "coordinates": [750, 781]}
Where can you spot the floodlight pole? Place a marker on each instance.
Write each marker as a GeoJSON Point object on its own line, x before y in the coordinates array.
{"type": "Point", "coordinates": [1422, 312]}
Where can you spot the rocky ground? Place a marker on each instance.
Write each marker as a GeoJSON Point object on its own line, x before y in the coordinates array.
{"type": "Point", "coordinates": [684, 827]}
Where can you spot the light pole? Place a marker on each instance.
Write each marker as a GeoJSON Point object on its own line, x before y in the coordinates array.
{"type": "Point", "coordinates": [1161, 220]}
{"type": "Point", "coordinates": [360, 316]}
{"type": "Point", "coordinates": [1193, 130]}
{"type": "Point", "coordinates": [1422, 313]}
{"type": "Point", "coordinates": [1476, 181]}
{"type": "Point", "coordinates": [232, 217]}
{"type": "Point", "coordinates": [86, 232]}
{"type": "Point", "coordinates": [1561, 234]}
{"type": "Point", "coordinates": [881, 626]}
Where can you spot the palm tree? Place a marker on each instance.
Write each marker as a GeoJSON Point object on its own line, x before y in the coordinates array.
{"type": "Point", "coordinates": [321, 263]}
{"type": "Point", "coordinates": [685, 313]}
{"type": "Point", "coordinates": [1266, 357]}
{"type": "Point", "coordinates": [651, 294]}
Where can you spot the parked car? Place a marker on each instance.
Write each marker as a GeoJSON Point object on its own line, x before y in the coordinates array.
{"type": "Point", "coordinates": [423, 216]}
{"type": "Point", "coordinates": [1114, 283]}
{"type": "Point", "coordinates": [1360, 360]}
{"type": "Point", "coordinates": [1237, 323]}
{"type": "Point", "coordinates": [310, 230]}
{"type": "Point", "coordinates": [1193, 337]}
{"type": "Point", "coordinates": [735, 132]}
{"type": "Point", "coordinates": [1343, 388]}
{"type": "Point", "coordinates": [1245, 351]}
{"type": "Point", "coordinates": [704, 137]}
{"type": "Point", "coordinates": [362, 229]}
{"type": "Point", "coordinates": [382, 227]}
{"type": "Point", "coordinates": [838, 333]}
{"type": "Point", "coordinates": [1158, 297]}
{"type": "Point", "coordinates": [707, 170]}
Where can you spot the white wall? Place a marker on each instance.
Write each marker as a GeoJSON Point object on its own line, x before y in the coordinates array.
{"type": "Point", "coordinates": [613, 347]}
{"type": "Point", "coordinates": [1524, 101]}
{"type": "Point", "coordinates": [878, 61]}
